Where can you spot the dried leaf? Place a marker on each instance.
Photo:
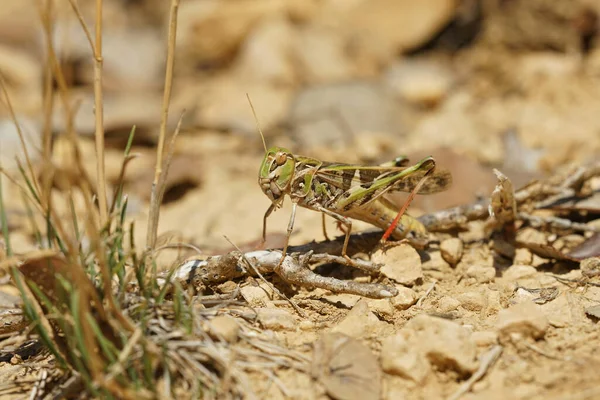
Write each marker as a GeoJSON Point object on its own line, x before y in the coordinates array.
{"type": "Point", "coordinates": [587, 249]}
{"type": "Point", "coordinates": [547, 251]}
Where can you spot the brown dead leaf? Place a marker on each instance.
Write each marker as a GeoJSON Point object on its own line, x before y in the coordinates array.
{"type": "Point", "coordinates": [347, 369]}
{"type": "Point", "coordinates": [587, 249]}
{"type": "Point", "coordinates": [546, 251]}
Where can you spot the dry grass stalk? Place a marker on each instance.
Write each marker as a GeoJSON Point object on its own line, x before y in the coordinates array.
{"type": "Point", "coordinates": [155, 196]}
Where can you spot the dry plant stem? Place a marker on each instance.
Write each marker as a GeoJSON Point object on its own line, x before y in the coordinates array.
{"type": "Point", "coordinates": [66, 102]}
{"type": "Point", "coordinates": [46, 177]}
{"type": "Point", "coordinates": [99, 113]}
{"type": "Point", "coordinates": [292, 270]}
{"type": "Point", "coordinates": [486, 361]}
{"type": "Point", "coordinates": [155, 194]}
{"type": "Point", "coordinates": [556, 222]}
{"type": "Point", "coordinates": [262, 278]}
{"type": "Point", "coordinates": [429, 290]}
{"type": "Point", "coordinates": [163, 176]}
{"type": "Point", "coordinates": [455, 217]}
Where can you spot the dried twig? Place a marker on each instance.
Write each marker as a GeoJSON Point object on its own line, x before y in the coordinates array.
{"type": "Point", "coordinates": [269, 284]}
{"type": "Point", "coordinates": [422, 298]}
{"type": "Point", "coordinates": [291, 269]}
{"type": "Point", "coordinates": [154, 196]}
{"type": "Point", "coordinates": [485, 362]}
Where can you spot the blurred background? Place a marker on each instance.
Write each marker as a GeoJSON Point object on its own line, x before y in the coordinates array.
{"type": "Point", "coordinates": [510, 84]}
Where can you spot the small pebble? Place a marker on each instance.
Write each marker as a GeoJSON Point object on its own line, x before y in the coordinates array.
{"type": "Point", "coordinates": [405, 298]}
{"type": "Point", "coordinates": [276, 319]}
{"type": "Point", "coordinates": [523, 256]}
{"type": "Point", "coordinates": [448, 304]}
{"type": "Point", "coordinates": [472, 301]}
{"type": "Point", "coordinates": [224, 326]}
{"type": "Point", "coordinates": [516, 272]}
{"type": "Point", "coordinates": [256, 296]}
{"type": "Point", "coordinates": [401, 263]}
{"type": "Point", "coordinates": [383, 308]}
{"type": "Point", "coordinates": [484, 338]}
{"type": "Point", "coordinates": [524, 318]}
{"type": "Point", "coordinates": [398, 357]}
{"type": "Point", "coordinates": [481, 273]}
{"type": "Point", "coordinates": [446, 344]}
{"type": "Point", "coordinates": [452, 250]}
{"type": "Point", "coordinates": [359, 322]}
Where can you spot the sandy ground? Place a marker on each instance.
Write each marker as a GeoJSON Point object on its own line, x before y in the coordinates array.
{"type": "Point", "coordinates": [478, 85]}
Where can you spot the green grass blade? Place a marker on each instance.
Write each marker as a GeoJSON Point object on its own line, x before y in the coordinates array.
{"type": "Point", "coordinates": [33, 316]}
{"type": "Point", "coordinates": [4, 222]}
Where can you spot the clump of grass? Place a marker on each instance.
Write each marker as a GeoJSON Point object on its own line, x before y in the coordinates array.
{"type": "Point", "coordinates": [111, 327]}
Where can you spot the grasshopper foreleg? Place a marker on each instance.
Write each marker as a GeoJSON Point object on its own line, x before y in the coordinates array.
{"type": "Point", "coordinates": [267, 213]}
{"type": "Point", "coordinates": [347, 222]}
{"type": "Point", "coordinates": [324, 227]}
{"type": "Point", "coordinates": [290, 228]}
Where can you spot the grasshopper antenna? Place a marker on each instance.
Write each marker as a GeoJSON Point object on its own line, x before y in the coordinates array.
{"type": "Point", "coordinates": [257, 124]}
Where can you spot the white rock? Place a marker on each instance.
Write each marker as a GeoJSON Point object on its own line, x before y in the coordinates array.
{"type": "Point", "coordinates": [363, 106]}
{"type": "Point", "coordinates": [276, 319]}
{"type": "Point", "coordinates": [565, 310]}
{"type": "Point", "coordinates": [321, 55]}
{"type": "Point", "coordinates": [484, 338]}
{"type": "Point", "coordinates": [345, 299]}
{"type": "Point", "coordinates": [448, 304]}
{"type": "Point", "coordinates": [381, 307]}
{"type": "Point", "coordinates": [524, 318]}
{"type": "Point", "coordinates": [473, 301]}
{"type": "Point", "coordinates": [452, 250]}
{"type": "Point", "coordinates": [255, 296]}
{"type": "Point", "coordinates": [523, 256]}
{"type": "Point", "coordinates": [481, 273]}
{"type": "Point", "coordinates": [516, 272]}
{"type": "Point", "coordinates": [400, 357]}
{"type": "Point", "coordinates": [493, 302]}
{"type": "Point", "coordinates": [360, 322]}
{"type": "Point", "coordinates": [405, 298]}
{"type": "Point", "coordinates": [265, 55]}
{"type": "Point", "coordinates": [531, 235]}
{"type": "Point", "coordinates": [223, 105]}
{"type": "Point", "coordinates": [445, 344]}
{"type": "Point", "coordinates": [522, 296]}
{"type": "Point", "coordinates": [211, 31]}
{"type": "Point", "coordinates": [401, 263]}
{"type": "Point", "coordinates": [224, 326]}
{"type": "Point", "coordinates": [377, 22]}
{"type": "Point", "coordinates": [421, 83]}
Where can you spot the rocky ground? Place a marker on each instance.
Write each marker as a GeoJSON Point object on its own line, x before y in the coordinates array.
{"type": "Point", "coordinates": [511, 85]}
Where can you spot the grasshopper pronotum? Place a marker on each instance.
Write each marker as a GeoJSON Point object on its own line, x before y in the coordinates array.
{"type": "Point", "coordinates": [345, 191]}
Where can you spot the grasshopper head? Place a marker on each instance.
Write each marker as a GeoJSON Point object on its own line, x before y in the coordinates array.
{"type": "Point", "coordinates": [276, 173]}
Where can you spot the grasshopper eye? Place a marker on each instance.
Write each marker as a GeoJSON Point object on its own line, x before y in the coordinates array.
{"type": "Point", "coordinates": [280, 158]}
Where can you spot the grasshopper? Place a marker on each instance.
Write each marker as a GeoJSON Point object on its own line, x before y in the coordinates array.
{"type": "Point", "coordinates": [345, 191]}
